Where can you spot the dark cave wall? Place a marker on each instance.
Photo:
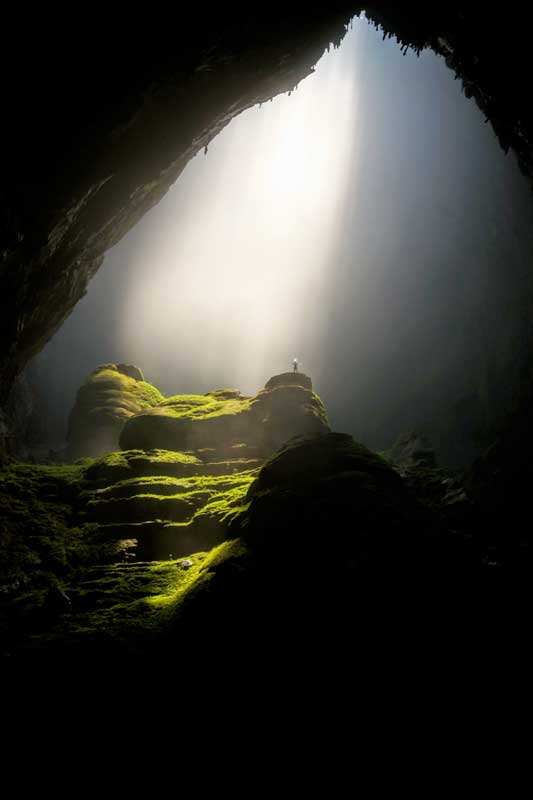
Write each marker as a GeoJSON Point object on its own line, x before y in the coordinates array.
{"type": "Point", "coordinates": [103, 120]}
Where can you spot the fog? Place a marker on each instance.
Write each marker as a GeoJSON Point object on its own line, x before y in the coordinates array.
{"type": "Point", "coordinates": [368, 224]}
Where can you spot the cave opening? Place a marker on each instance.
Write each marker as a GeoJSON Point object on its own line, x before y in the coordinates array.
{"type": "Point", "coordinates": [366, 228]}
{"type": "Point", "coordinates": [368, 224]}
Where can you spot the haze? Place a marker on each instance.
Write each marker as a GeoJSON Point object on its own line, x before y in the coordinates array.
{"type": "Point", "coordinates": [367, 224]}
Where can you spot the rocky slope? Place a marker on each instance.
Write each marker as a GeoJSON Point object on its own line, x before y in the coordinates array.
{"type": "Point", "coordinates": [324, 529]}
{"type": "Point", "coordinates": [188, 460]}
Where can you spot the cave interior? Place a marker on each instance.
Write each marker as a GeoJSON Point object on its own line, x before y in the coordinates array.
{"type": "Point", "coordinates": [91, 145]}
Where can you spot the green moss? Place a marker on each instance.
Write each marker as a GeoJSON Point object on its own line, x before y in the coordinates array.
{"type": "Point", "coordinates": [124, 464]}
{"type": "Point", "coordinates": [105, 401]}
{"type": "Point", "coordinates": [146, 394]}
{"type": "Point", "coordinates": [215, 404]}
{"type": "Point", "coordinates": [112, 386]}
{"type": "Point", "coordinates": [158, 485]}
{"type": "Point", "coordinates": [127, 606]}
{"type": "Point", "coordinates": [176, 590]}
{"type": "Point", "coordinates": [319, 408]}
{"type": "Point", "coordinates": [227, 394]}
{"type": "Point", "coordinates": [43, 537]}
{"type": "Point", "coordinates": [196, 501]}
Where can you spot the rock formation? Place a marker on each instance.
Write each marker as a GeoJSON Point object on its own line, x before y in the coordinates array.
{"type": "Point", "coordinates": [224, 419]}
{"type": "Point", "coordinates": [187, 460]}
{"type": "Point", "coordinates": [108, 397]}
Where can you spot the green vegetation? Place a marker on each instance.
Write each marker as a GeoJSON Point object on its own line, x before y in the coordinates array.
{"type": "Point", "coordinates": [106, 399]}
{"type": "Point", "coordinates": [196, 406]}
{"type": "Point", "coordinates": [70, 533]}
{"type": "Point", "coordinates": [63, 528]}
{"type": "Point", "coordinates": [128, 463]}
{"type": "Point", "coordinates": [319, 408]}
{"type": "Point", "coordinates": [166, 485]}
{"type": "Point", "coordinates": [38, 530]}
{"type": "Point", "coordinates": [115, 383]}
{"type": "Point", "coordinates": [168, 515]}
{"type": "Point", "coordinates": [126, 607]}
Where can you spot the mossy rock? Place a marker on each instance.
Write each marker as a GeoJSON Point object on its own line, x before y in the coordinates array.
{"type": "Point", "coordinates": [165, 515]}
{"type": "Point", "coordinates": [326, 497]}
{"type": "Point", "coordinates": [108, 397]}
{"type": "Point", "coordinates": [224, 418]}
{"type": "Point", "coordinates": [121, 609]}
{"type": "Point", "coordinates": [125, 464]}
{"type": "Point", "coordinates": [57, 523]}
{"type": "Point", "coordinates": [290, 379]}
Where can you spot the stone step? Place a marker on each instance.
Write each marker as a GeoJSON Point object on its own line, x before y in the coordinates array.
{"type": "Point", "coordinates": [163, 539]}
{"type": "Point", "coordinates": [166, 486]}
{"type": "Point", "coordinates": [142, 508]}
{"type": "Point", "coordinates": [131, 464]}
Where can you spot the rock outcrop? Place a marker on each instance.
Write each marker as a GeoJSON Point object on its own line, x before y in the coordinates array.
{"type": "Point", "coordinates": [330, 494]}
{"type": "Point", "coordinates": [188, 459]}
{"type": "Point", "coordinates": [224, 420]}
{"type": "Point", "coordinates": [108, 397]}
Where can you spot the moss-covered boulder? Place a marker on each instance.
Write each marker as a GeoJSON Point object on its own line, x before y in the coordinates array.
{"type": "Point", "coordinates": [109, 396]}
{"type": "Point", "coordinates": [284, 410]}
{"type": "Point", "coordinates": [328, 500]}
{"type": "Point", "coordinates": [289, 379]}
{"type": "Point", "coordinates": [223, 420]}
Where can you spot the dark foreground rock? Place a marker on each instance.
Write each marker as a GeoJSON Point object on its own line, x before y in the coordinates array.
{"type": "Point", "coordinates": [327, 500]}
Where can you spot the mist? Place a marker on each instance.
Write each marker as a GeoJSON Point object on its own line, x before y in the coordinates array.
{"type": "Point", "coordinates": [368, 224]}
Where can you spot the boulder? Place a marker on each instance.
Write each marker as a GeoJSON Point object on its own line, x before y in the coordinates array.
{"type": "Point", "coordinates": [326, 504]}
{"type": "Point", "coordinates": [108, 397]}
{"type": "Point", "coordinates": [290, 379]}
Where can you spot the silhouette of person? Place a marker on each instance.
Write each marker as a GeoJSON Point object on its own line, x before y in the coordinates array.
{"type": "Point", "coordinates": [295, 365]}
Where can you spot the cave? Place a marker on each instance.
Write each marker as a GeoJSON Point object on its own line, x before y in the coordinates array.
{"type": "Point", "coordinates": [92, 151]}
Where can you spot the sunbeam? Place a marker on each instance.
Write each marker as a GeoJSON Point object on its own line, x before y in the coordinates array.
{"type": "Point", "coordinates": [232, 278]}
